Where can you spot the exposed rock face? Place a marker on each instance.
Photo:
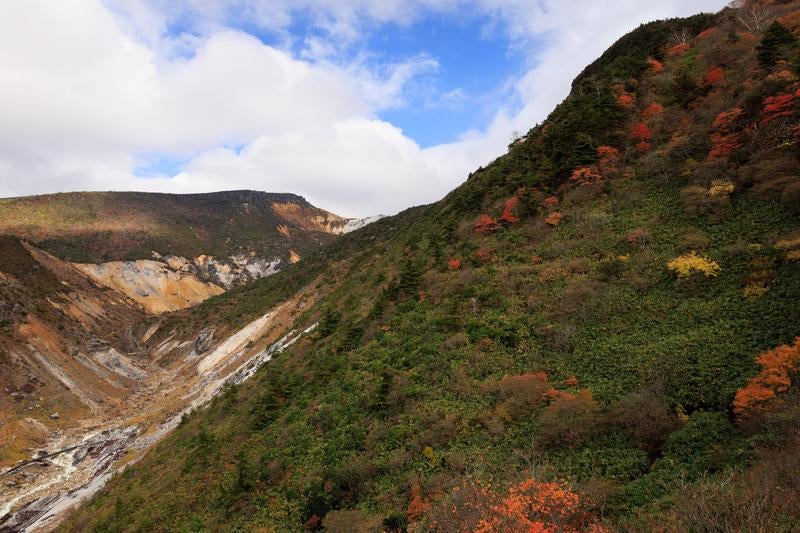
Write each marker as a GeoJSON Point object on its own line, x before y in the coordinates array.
{"type": "Point", "coordinates": [358, 223]}
{"type": "Point", "coordinates": [152, 284]}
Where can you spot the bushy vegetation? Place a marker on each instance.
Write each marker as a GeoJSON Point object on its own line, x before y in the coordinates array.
{"type": "Point", "coordinates": [521, 354]}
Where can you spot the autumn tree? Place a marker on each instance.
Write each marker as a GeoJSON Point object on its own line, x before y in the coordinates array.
{"type": "Point", "coordinates": [641, 132]}
{"type": "Point", "coordinates": [509, 214]}
{"type": "Point", "coordinates": [780, 105]}
{"type": "Point", "coordinates": [523, 392]}
{"type": "Point", "coordinates": [656, 66]}
{"type": "Point", "coordinates": [608, 161]}
{"type": "Point", "coordinates": [585, 176]}
{"type": "Point", "coordinates": [485, 224]}
{"type": "Point", "coordinates": [652, 111]}
{"type": "Point", "coordinates": [416, 506]}
{"type": "Point", "coordinates": [778, 367]}
{"type": "Point", "coordinates": [536, 506]}
{"type": "Point", "coordinates": [726, 136]}
{"type": "Point", "coordinates": [714, 76]}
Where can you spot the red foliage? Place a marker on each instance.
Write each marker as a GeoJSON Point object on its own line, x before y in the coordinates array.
{"type": "Point", "coordinates": [652, 111]}
{"type": "Point", "coordinates": [639, 236]}
{"type": "Point", "coordinates": [509, 211]}
{"type": "Point", "coordinates": [724, 139]}
{"type": "Point", "coordinates": [626, 100]}
{"type": "Point", "coordinates": [484, 254]}
{"type": "Point", "coordinates": [534, 506]}
{"type": "Point", "coordinates": [781, 105]}
{"type": "Point", "coordinates": [713, 76]}
{"type": "Point", "coordinates": [678, 50]}
{"type": "Point", "coordinates": [485, 224]}
{"type": "Point", "coordinates": [417, 506]}
{"type": "Point", "coordinates": [313, 522]}
{"type": "Point", "coordinates": [585, 176]}
{"type": "Point", "coordinates": [656, 66]}
{"type": "Point", "coordinates": [642, 146]}
{"type": "Point", "coordinates": [725, 120]}
{"type": "Point", "coordinates": [550, 201]}
{"type": "Point", "coordinates": [571, 381]}
{"type": "Point", "coordinates": [641, 132]}
{"type": "Point", "coordinates": [777, 369]}
{"type": "Point", "coordinates": [723, 145]}
{"type": "Point", "coordinates": [454, 263]}
{"type": "Point", "coordinates": [609, 160]}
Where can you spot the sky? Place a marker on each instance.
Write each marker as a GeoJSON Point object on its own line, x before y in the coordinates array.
{"type": "Point", "coordinates": [361, 106]}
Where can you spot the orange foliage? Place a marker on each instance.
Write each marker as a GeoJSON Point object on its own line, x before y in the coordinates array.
{"type": "Point", "coordinates": [714, 76]}
{"type": "Point", "coordinates": [535, 506]}
{"type": "Point", "coordinates": [777, 368]}
{"type": "Point", "coordinates": [705, 33]}
{"type": "Point", "coordinates": [791, 20]}
{"type": "Point", "coordinates": [550, 201]}
{"type": "Point", "coordinates": [454, 263]}
{"type": "Point", "coordinates": [626, 100]}
{"type": "Point", "coordinates": [571, 381]}
{"type": "Point", "coordinates": [781, 105]}
{"type": "Point", "coordinates": [484, 254]}
{"type": "Point", "coordinates": [509, 208]}
{"type": "Point", "coordinates": [585, 176]}
{"type": "Point", "coordinates": [678, 50]}
{"type": "Point", "coordinates": [656, 66]}
{"type": "Point", "coordinates": [485, 224]}
{"type": "Point", "coordinates": [652, 111]}
{"type": "Point", "coordinates": [553, 219]}
{"type": "Point", "coordinates": [417, 506]}
{"type": "Point", "coordinates": [609, 160]}
{"type": "Point", "coordinates": [536, 259]}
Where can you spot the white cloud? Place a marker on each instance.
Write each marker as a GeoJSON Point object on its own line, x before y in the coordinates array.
{"type": "Point", "coordinates": [86, 87]}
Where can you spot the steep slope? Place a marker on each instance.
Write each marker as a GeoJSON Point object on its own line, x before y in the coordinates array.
{"type": "Point", "coordinates": [571, 338]}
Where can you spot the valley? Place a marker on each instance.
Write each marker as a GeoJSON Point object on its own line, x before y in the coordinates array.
{"type": "Point", "coordinates": [105, 408]}
{"type": "Point", "coordinates": [595, 331]}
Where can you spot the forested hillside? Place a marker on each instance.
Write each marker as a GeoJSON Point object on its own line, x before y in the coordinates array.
{"type": "Point", "coordinates": [597, 331]}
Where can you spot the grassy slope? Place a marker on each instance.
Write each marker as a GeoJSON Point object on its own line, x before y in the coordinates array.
{"type": "Point", "coordinates": [402, 388]}
{"type": "Point", "coordinates": [102, 226]}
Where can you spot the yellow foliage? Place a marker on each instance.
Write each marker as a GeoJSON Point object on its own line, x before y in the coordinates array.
{"type": "Point", "coordinates": [686, 265]}
{"type": "Point", "coordinates": [754, 291]}
{"type": "Point", "coordinates": [720, 189]}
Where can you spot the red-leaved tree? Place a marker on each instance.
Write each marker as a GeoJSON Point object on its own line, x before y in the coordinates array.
{"type": "Point", "coordinates": [509, 215]}
{"type": "Point", "coordinates": [485, 224]}
{"type": "Point", "coordinates": [725, 138]}
{"type": "Point", "coordinates": [781, 105]}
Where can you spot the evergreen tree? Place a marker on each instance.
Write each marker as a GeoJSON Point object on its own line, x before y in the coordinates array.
{"type": "Point", "coordinates": [778, 43]}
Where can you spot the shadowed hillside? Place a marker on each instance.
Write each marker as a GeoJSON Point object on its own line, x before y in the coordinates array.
{"type": "Point", "coordinates": [96, 227]}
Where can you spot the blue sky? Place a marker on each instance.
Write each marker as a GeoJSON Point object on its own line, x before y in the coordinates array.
{"type": "Point", "coordinates": [476, 62]}
{"type": "Point", "coordinates": [362, 106]}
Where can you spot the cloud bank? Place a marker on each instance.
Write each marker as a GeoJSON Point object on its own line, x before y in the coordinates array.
{"type": "Point", "coordinates": [91, 92]}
